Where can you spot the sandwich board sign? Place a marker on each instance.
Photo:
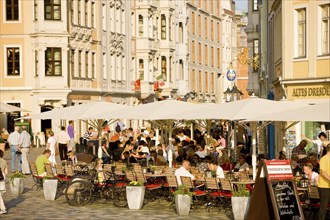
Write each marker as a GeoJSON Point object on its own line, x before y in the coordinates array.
{"type": "Point", "coordinates": [276, 190]}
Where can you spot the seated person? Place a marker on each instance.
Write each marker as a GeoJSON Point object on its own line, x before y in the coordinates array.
{"type": "Point", "coordinates": [226, 164]}
{"type": "Point", "coordinates": [41, 161]}
{"type": "Point", "coordinates": [312, 176]}
{"type": "Point", "coordinates": [213, 166]}
{"type": "Point", "coordinates": [296, 169]}
{"type": "Point", "coordinates": [242, 164]}
{"type": "Point", "coordinates": [105, 152]}
{"type": "Point", "coordinates": [160, 160]}
{"type": "Point", "coordinates": [72, 158]}
{"type": "Point", "coordinates": [183, 171]}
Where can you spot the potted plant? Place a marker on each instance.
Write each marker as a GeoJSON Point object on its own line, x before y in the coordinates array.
{"type": "Point", "coordinates": [50, 187]}
{"type": "Point", "coordinates": [2, 144]}
{"type": "Point", "coordinates": [135, 194]}
{"type": "Point", "coordinates": [16, 183]}
{"type": "Point", "coordinates": [183, 198]}
{"type": "Point", "coordinates": [240, 201]}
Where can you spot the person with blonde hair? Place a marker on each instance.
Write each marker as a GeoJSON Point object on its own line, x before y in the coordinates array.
{"type": "Point", "coordinates": [51, 145]}
{"type": "Point", "coordinates": [312, 176]}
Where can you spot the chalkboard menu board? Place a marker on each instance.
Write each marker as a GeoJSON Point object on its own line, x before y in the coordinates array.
{"type": "Point", "coordinates": [286, 200]}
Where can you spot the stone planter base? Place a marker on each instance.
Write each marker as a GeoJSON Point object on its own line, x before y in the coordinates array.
{"type": "Point", "coordinates": [135, 196]}
{"type": "Point", "coordinates": [182, 204]}
{"type": "Point", "coordinates": [50, 189]}
{"type": "Point", "coordinates": [17, 186]}
{"type": "Point", "coordinates": [240, 206]}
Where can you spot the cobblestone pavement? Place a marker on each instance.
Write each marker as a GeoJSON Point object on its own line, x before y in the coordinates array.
{"type": "Point", "coordinates": [32, 205]}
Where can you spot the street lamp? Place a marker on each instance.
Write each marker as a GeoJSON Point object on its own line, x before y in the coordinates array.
{"type": "Point", "coordinates": [232, 95]}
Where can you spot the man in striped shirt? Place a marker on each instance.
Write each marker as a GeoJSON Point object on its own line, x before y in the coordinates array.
{"type": "Point", "coordinates": [13, 141]}
{"type": "Point", "coordinates": [24, 146]}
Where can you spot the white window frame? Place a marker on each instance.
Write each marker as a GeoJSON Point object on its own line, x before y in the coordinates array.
{"type": "Point", "coordinates": [20, 60]}
{"type": "Point", "coordinates": [319, 32]}
{"type": "Point", "coordinates": [19, 13]}
{"type": "Point", "coordinates": [295, 35]}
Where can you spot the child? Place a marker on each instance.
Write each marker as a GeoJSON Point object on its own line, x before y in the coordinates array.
{"type": "Point", "coordinates": [99, 169]}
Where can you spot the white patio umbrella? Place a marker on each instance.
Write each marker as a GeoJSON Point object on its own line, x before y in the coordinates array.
{"type": "Point", "coordinates": [318, 111]}
{"type": "Point", "coordinates": [90, 110]}
{"type": "Point", "coordinates": [6, 108]}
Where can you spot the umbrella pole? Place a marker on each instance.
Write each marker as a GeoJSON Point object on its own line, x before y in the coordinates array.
{"type": "Point", "coordinates": [254, 147]}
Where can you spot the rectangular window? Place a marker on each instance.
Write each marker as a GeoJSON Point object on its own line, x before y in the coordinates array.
{"type": "Point", "coordinates": [93, 65]}
{"type": "Point", "coordinates": [12, 10]}
{"type": "Point", "coordinates": [301, 32]}
{"type": "Point", "coordinates": [163, 26]}
{"type": "Point", "coordinates": [255, 54]}
{"type": "Point", "coordinates": [36, 63]}
{"type": "Point", "coordinates": [218, 32]}
{"type": "Point", "coordinates": [53, 61]}
{"type": "Point", "coordinates": [86, 64]}
{"type": "Point", "coordinates": [86, 13]}
{"type": "Point", "coordinates": [140, 25]}
{"type": "Point", "coordinates": [206, 28]}
{"type": "Point", "coordinates": [199, 53]}
{"type": "Point", "coordinates": [163, 63]}
{"type": "Point", "coordinates": [35, 10]}
{"type": "Point", "coordinates": [180, 32]}
{"type": "Point", "coordinates": [255, 5]}
{"type": "Point", "coordinates": [53, 9]}
{"type": "Point", "coordinates": [206, 49]}
{"type": "Point", "coordinates": [200, 80]}
{"type": "Point", "coordinates": [206, 81]}
{"type": "Point", "coordinates": [72, 12]}
{"type": "Point", "coordinates": [170, 27]}
{"type": "Point", "coordinates": [72, 63]}
{"type": "Point", "coordinates": [79, 63]}
{"type": "Point", "coordinates": [181, 69]}
{"type": "Point", "coordinates": [218, 58]}
{"type": "Point", "coordinates": [212, 82]}
{"type": "Point", "coordinates": [193, 53]}
{"type": "Point", "coordinates": [193, 22]}
{"type": "Point", "coordinates": [212, 30]}
{"type": "Point", "coordinates": [141, 69]}
{"type": "Point", "coordinates": [325, 27]}
{"type": "Point", "coordinates": [79, 12]}
{"type": "Point", "coordinates": [199, 26]}
{"type": "Point", "coordinates": [93, 14]}
{"type": "Point", "coordinates": [194, 86]}
{"type": "Point", "coordinates": [13, 64]}
{"type": "Point", "coordinates": [212, 56]}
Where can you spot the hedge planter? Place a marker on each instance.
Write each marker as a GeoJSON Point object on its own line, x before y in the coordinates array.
{"type": "Point", "coordinates": [17, 186]}
{"type": "Point", "coordinates": [240, 206]}
{"type": "Point", "coordinates": [182, 204]}
{"type": "Point", "coordinates": [135, 196]}
{"type": "Point", "coordinates": [50, 188]}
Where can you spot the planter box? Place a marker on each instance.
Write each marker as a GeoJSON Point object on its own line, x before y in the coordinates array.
{"type": "Point", "coordinates": [50, 188]}
{"type": "Point", "coordinates": [182, 204]}
{"type": "Point", "coordinates": [135, 196]}
{"type": "Point", "coordinates": [240, 206]}
{"type": "Point", "coordinates": [17, 186]}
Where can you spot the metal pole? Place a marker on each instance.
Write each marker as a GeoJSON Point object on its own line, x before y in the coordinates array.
{"type": "Point", "coordinates": [235, 142]}
{"type": "Point", "coordinates": [254, 149]}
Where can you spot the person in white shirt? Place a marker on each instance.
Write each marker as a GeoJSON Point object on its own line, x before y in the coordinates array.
{"type": "Point", "coordinates": [24, 145]}
{"type": "Point", "coordinates": [183, 171]}
{"type": "Point", "coordinates": [13, 141]}
{"type": "Point", "coordinates": [213, 166]}
{"type": "Point", "coordinates": [51, 145]}
{"type": "Point", "coordinates": [241, 165]}
{"type": "Point", "coordinates": [321, 143]}
{"type": "Point", "coordinates": [63, 141]}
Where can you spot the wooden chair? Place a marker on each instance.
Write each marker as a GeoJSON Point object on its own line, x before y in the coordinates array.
{"type": "Point", "coordinates": [69, 171]}
{"type": "Point", "coordinates": [130, 176]}
{"type": "Point", "coordinates": [169, 171]}
{"type": "Point", "coordinates": [36, 178]}
{"type": "Point", "coordinates": [197, 193]}
{"type": "Point", "coordinates": [49, 170]}
{"type": "Point", "coordinates": [243, 176]}
{"type": "Point", "coordinates": [213, 192]}
{"type": "Point", "coordinates": [225, 193]}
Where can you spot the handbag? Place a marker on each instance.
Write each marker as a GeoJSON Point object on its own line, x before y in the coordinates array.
{"type": "Point", "coordinates": [1, 175]}
{"type": "Point", "coordinates": [18, 152]}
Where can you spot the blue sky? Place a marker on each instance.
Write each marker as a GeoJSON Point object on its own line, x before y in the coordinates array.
{"type": "Point", "coordinates": [241, 5]}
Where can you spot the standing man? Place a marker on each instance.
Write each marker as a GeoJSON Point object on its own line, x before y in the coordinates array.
{"type": "Point", "coordinates": [324, 184]}
{"type": "Point", "coordinates": [71, 135]}
{"type": "Point", "coordinates": [13, 141]}
{"type": "Point", "coordinates": [24, 145]}
{"type": "Point", "coordinates": [63, 141]}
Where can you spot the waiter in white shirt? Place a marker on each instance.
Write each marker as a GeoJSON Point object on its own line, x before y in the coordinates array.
{"type": "Point", "coordinates": [183, 171]}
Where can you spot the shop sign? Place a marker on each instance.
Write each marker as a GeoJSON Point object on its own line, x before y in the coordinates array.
{"type": "Point", "coordinates": [311, 92]}
{"type": "Point", "coordinates": [279, 169]}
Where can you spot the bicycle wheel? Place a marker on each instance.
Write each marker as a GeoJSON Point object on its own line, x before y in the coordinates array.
{"type": "Point", "coordinates": [78, 192]}
{"type": "Point", "coordinates": [119, 197]}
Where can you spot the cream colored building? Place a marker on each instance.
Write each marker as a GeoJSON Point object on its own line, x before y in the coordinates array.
{"type": "Point", "coordinates": [64, 52]}
{"type": "Point", "coordinates": [298, 59]}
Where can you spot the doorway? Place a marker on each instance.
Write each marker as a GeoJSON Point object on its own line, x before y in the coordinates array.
{"type": "Point", "coordinates": [46, 124]}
